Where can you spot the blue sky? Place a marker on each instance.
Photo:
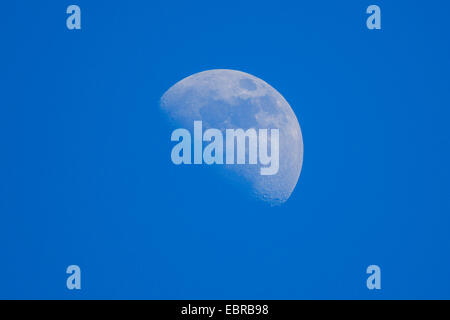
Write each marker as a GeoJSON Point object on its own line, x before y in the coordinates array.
{"type": "Point", "coordinates": [86, 176]}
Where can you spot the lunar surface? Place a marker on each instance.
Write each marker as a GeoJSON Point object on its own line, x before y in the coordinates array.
{"type": "Point", "coordinates": [227, 99]}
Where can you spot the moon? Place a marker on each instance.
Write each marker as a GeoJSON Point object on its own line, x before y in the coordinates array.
{"type": "Point", "coordinates": [229, 99]}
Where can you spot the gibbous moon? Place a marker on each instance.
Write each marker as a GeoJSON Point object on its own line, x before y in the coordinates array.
{"type": "Point", "coordinates": [228, 99]}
